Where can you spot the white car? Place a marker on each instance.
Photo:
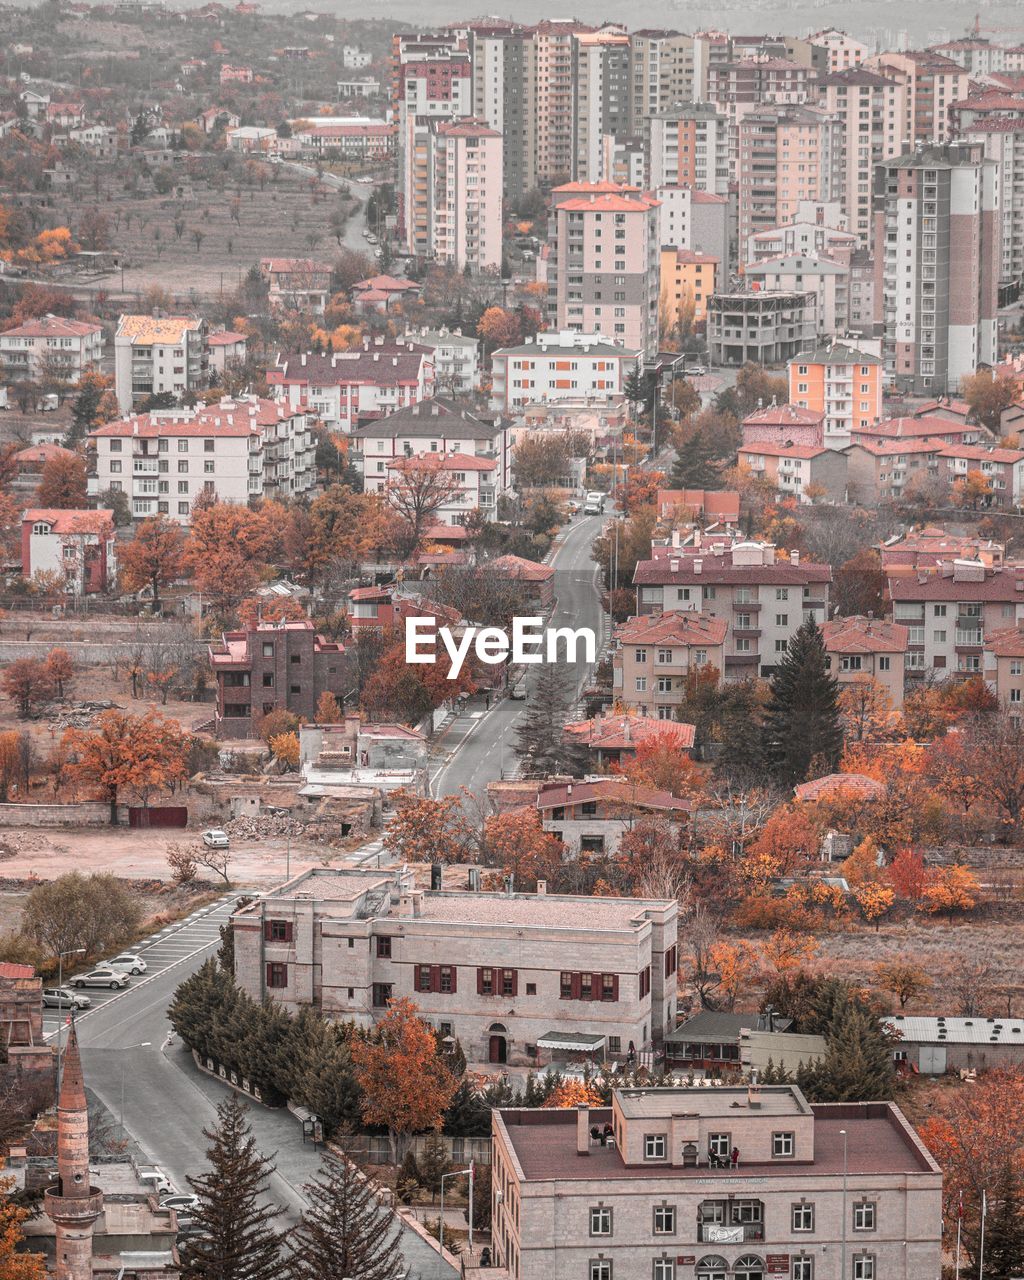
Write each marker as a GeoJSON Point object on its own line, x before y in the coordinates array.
{"type": "Point", "coordinates": [179, 1202]}
{"type": "Point", "coordinates": [101, 978]}
{"type": "Point", "coordinates": [215, 838]}
{"type": "Point", "coordinates": [128, 963]}
{"type": "Point", "coordinates": [155, 1180]}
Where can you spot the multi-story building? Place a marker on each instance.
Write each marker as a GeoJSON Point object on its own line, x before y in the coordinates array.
{"type": "Point", "coordinates": [159, 355]}
{"type": "Point", "coordinates": [456, 357]}
{"type": "Point", "coordinates": [867, 649]}
{"type": "Point", "coordinates": [603, 269]}
{"type": "Point", "coordinates": [661, 73]}
{"type": "Point", "coordinates": [590, 818]}
{"type": "Point", "coordinates": [824, 237]}
{"type": "Point", "coordinates": [739, 1181]}
{"type": "Point", "coordinates": [828, 280]}
{"type": "Point", "coordinates": [880, 470]}
{"type": "Point", "coordinates": [653, 655]}
{"type": "Point", "coordinates": [232, 450]}
{"type": "Point", "coordinates": [768, 328]}
{"type": "Point", "coordinates": [765, 600]}
{"type": "Point", "coordinates": [687, 282]}
{"type": "Point", "coordinates": [1002, 469]}
{"type": "Point", "coordinates": [937, 267]}
{"type": "Point", "coordinates": [841, 50]}
{"type": "Point", "coordinates": [689, 146]}
{"type": "Point", "coordinates": [78, 547]}
{"type": "Point", "coordinates": [275, 666]}
{"type": "Point", "coordinates": [297, 283]}
{"type": "Point", "coordinates": [1003, 140]}
{"type": "Point", "coordinates": [692, 219]}
{"type": "Point", "coordinates": [554, 96]}
{"type": "Point", "coordinates": [779, 424]}
{"type": "Point", "coordinates": [1004, 668]}
{"type": "Point", "coordinates": [932, 83]}
{"type": "Point", "coordinates": [434, 426]}
{"type": "Point", "coordinates": [806, 471]}
{"type": "Point", "coordinates": [51, 348]}
{"type": "Point", "coordinates": [470, 482]}
{"type": "Point", "coordinates": [560, 366]}
{"type": "Point", "coordinates": [226, 350]}
{"type": "Point", "coordinates": [465, 170]}
{"type": "Point", "coordinates": [601, 72]}
{"type": "Point", "coordinates": [348, 388]}
{"type": "Point", "coordinates": [843, 383]}
{"type": "Point", "coordinates": [486, 968]}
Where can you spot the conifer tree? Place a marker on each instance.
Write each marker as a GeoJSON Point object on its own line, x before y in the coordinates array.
{"type": "Point", "coordinates": [801, 721]}
{"type": "Point", "coordinates": [540, 738]}
{"type": "Point", "coordinates": [238, 1239]}
{"type": "Point", "coordinates": [1004, 1226]}
{"type": "Point", "coordinates": [694, 467]}
{"type": "Point", "coordinates": [346, 1231]}
{"type": "Point", "coordinates": [434, 1162]}
{"type": "Point", "coordinates": [857, 1066]}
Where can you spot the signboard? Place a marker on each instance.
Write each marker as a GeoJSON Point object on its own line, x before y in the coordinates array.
{"type": "Point", "coordinates": [686, 1260]}
{"type": "Point", "coordinates": [713, 1234]}
{"type": "Point", "coordinates": [777, 1264]}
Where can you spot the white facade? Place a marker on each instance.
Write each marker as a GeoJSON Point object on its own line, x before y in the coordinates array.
{"type": "Point", "coordinates": [68, 346]}
{"type": "Point", "coordinates": [355, 59]}
{"type": "Point", "coordinates": [456, 358]}
{"type": "Point", "coordinates": [690, 146]}
{"type": "Point", "coordinates": [157, 356]}
{"type": "Point", "coordinates": [560, 366]}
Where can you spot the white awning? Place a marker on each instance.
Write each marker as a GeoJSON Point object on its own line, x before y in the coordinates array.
{"type": "Point", "coordinates": [570, 1040]}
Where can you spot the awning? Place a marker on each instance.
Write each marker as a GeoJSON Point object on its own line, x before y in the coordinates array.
{"type": "Point", "coordinates": [570, 1040]}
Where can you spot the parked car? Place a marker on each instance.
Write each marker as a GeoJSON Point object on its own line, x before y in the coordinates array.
{"type": "Point", "coordinates": [64, 998]}
{"type": "Point", "coordinates": [155, 1180]}
{"type": "Point", "coordinates": [128, 963]}
{"type": "Point", "coordinates": [518, 691]}
{"type": "Point", "coordinates": [101, 978]}
{"type": "Point", "coordinates": [179, 1201]}
{"type": "Point", "coordinates": [215, 838]}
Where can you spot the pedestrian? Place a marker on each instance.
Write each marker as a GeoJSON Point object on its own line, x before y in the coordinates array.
{"type": "Point", "coordinates": [735, 1156]}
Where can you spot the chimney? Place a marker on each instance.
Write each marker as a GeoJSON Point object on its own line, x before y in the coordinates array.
{"type": "Point", "coordinates": [675, 539]}
{"type": "Point", "coordinates": [673, 565]}
{"type": "Point", "coordinates": [794, 557]}
{"type": "Point", "coordinates": [582, 1129]}
{"type": "Point", "coordinates": [698, 566]}
{"type": "Point", "coordinates": [753, 1092]}
{"type": "Point", "coordinates": [542, 888]}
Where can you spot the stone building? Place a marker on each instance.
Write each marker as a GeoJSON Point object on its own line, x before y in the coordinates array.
{"type": "Point", "coordinates": [26, 1060]}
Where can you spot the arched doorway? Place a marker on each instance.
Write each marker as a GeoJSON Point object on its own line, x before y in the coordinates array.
{"type": "Point", "coordinates": [749, 1267]}
{"type": "Point", "coordinates": [497, 1049]}
{"type": "Point", "coordinates": [712, 1267]}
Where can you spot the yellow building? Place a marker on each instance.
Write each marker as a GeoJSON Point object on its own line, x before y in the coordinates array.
{"type": "Point", "coordinates": [687, 281]}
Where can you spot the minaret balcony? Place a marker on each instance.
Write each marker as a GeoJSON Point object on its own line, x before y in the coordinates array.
{"type": "Point", "coordinates": [73, 1210]}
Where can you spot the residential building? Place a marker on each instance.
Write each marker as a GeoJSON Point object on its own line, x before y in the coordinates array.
{"type": "Point", "coordinates": [275, 666]}
{"type": "Point", "coordinates": [51, 348]}
{"type": "Point", "coordinates": [603, 92]}
{"type": "Point", "coordinates": [880, 470]}
{"type": "Point", "coordinates": [783, 424]}
{"type": "Point", "coordinates": [76, 546]}
{"type": "Point", "coordinates": [933, 84]}
{"type": "Point", "coordinates": [654, 654]}
{"type": "Point", "coordinates": [1002, 138]}
{"type": "Point", "coordinates": [159, 355]}
{"type": "Point", "coordinates": [764, 599]}
{"type": "Point", "coordinates": [827, 279]}
{"type": "Point", "coordinates": [689, 146]}
{"type": "Point", "coordinates": [297, 283]}
{"type": "Point", "coordinates": [354, 58]}
{"type": "Point", "coordinates": [433, 426]}
{"type": "Point", "coordinates": [554, 95]}
{"type": "Point", "coordinates": [613, 738]}
{"type": "Point", "coordinates": [592, 817]}
{"type": "Point", "coordinates": [842, 383]}
{"type": "Point", "coordinates": [456, 357]}
{"type": "Point", "coordinates": [214, 118]}
{"type": "Point", "coordinates": [359, 87]}
{"type": "Point", "coordinates": [929, 546]}
{"type": "Point", "coordinates": [767, 328]}
{"type": "Point", "coordinates": [251, 139]}
{"type": "Point", "coordinates": [235, 75]}
{"type": "Point", "coordinates": [927, 426]}
{"type": "Point", "coordinates": [365, 140]}
{"type": "Point", "coordinates": [347, 388]}
{"type": "Point", "coordinates": [235, 450]}
{"type": "Point", "coordinates": [805, 471]}
{"type": "Point", "coordinates": [472, 482]}
{"type": "Point", "coordinates": [666, 69]}
{"type": "Point", "coordinates": [537, 581]}
{"type": "Point", "coordinates": [226, 350]}
{"type": "Point", "coordinates": [687, 282]}
{"type": "Point", "coordinates": [719, 507]}
{"type": "Point", "coordinates": [380, 293]}
{"type": "Point", "coordinates": [868, 649]}
{"type": "Point", "coordinates": [485, 968]}
{"type": "Point", "coordinates": [710, 1041]}
{"type": "Point", "coordinates": [804, 239]}
{"type": "Point", "coordinates": [841, 50]}
{"type": "Point", "coordinates": [557, 366]}
{"type": "Point", "coordinates": [735, 1178]}
{"type": "Point", "coordinates": [693, 219]}
{"type": "Point", "coordinates": [358, 744]}
{"type": "Point", "coordinates": [29, 463]}
{"type": "Point", "coordinates": [935, 1046]}
{"type": "Point", "coordinates": [603, 269]}
{"type": "Point", "coordinates": [939, 235]}
{"type": "Point", "coordinates": [1004, 667]}
{"type": "Point", "coordinates": [1003, 469]}
{"type": "Point", "coordinates": [465, 214]}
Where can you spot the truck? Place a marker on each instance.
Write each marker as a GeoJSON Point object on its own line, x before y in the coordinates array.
{"type": "Point", "coordinates": [593, 504]}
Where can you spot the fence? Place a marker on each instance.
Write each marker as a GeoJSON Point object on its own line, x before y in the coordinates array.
{"type": "Point", "coordinates": [169, 815]}
{"type": "Point", "coordinates": [374, 1148]}
{"type": "Point", "coordinates": [91, 813]}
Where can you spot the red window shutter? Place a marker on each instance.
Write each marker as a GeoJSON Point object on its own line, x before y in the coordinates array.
{"type": "Point", "coordinates": [288, 931]}
{"type": "Point", "coordinates": [577, 986]}
{"type": "Point", "coordinates": [435, 977]}
{"type": "Point", "coordinates": [615, 986]}
{"type": "Point", "coordinates": [270, 974]}
{"type": "Point", "coordinates": [479, 982]}
{"type": "Point", "coordinates": [455, 979]}
{"type": "Point", "coordinates": [595, 986]}
{"type": "Point", "coordinates": [515, 982]}
{"type": "Point", "coordinates": [267, 934]}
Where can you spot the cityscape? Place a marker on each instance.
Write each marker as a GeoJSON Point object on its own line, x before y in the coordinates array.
{"type": "Point", "coordinates": [541, 797]}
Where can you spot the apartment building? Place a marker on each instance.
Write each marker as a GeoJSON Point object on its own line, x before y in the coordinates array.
{"type": "Point", "coordinates": [554, 96]}
{"type": "Point", "coordinates": [555, 366]}
{"type": "Point", "coordinates": [1003, 469]}
{"type": "Point", "coordinates": [1002, 138]}
{"type": "Point", "coordinates": [924, 426]}
{"type": "Point", "coordinates": [689, 146]}
{"type": "Point", "coordinates": [692, 219]}
{"type": "Point", "coordinates": [804, 471]}
{"type": "Point", "coordinates": [76, 546]}
{"type": "Point", "coordinates": [51, 349]}
{"type": "Point", "coordinates": [951, 612]}
{"type": "Point", "coordinates": [472, 483]}
{"type": "Point", "coordinates": [226, 351]}
{"type": "Point", "coordinates": [867, 649]}
{"type": "Point", "coordinates": [828, 280]}
{"type": "Point", "coordinates": [739, 1181]}
{"type": "Point", "coordinates": [233, 451]}
{"type": "Point", "coordinates": [843, 383]}
{"type": "Point", "coordinates": [841, 50]}
{"type": "Point", "coordinates": [603, 88]}
{"type": "Point", "coordinates": [603, 267]}
{"type": "Point", "coordinates": [159, 355]}
{"type": "Point", "coordinates": [932, 84]}
{"type": "Point", "coordinates": [590, 818]}
{"type": "Point", "coordinates": [297, 283]}
{"type": "Point", "coordinates": [1004, 668]}
{"type": "Point", "coordinates": [485, 968]}
{"type": "Point", "coordinates": [749, 84]}
{"type": "Point", "coordinates": [822, 238]}
{"type": "Point", "coordinates": [435, 426]}
{"type": "Point", "coordinates": [465, 216]}
{"type": "Point", "coordinates": [687, 282]}
{"type": "Point", "coordinates": [766, 327]}
{"type": "Point", "coordinates": [662, 72]}
{"type": "Point", "coordinates": [780, 424]}
{"type": "Point", "coordinates": [347, 388]}
{"type": "Point", "coordinates": [456, 357]}
{"type": "Point", "coordinates": [764, 599]}
{"type": "Point", "coordinates": [653, 654]}
{"type": "Point", "coordinates": [275, 666]}
{"type": "Point", "coordinates": [880, 470]}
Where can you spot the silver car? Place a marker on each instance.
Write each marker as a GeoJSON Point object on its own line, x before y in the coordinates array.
{"type": "Point", "coordinates": [64, 998]}
{"type": "Point", "coordinates": [128, 963]}
{"type": "Point", "coordinates": [109, 978]}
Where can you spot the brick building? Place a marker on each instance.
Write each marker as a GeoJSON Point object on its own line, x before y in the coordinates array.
{"type": "Point", "coordinates": [511, 975]}
{"type": "Point", "coordinates": [26, 1059]}
{"type": "Point", "coordinates": [275, 666]}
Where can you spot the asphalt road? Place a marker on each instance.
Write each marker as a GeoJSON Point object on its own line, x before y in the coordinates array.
{"type": "Point", "coordinates": [353, 237]}
{"type": "Point", "coordinates": [480, 743]}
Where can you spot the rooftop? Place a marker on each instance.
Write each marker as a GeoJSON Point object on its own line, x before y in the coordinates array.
{"type": "Point", "coordinates": [712, 1025]}
{"type": "Point", "coordinates": [864, 635]}
{"type": "Point", "coordinates": [835, 353]}
{"type": "Point", "coordinates": [50, 326]}
{"type": "Point", "coordinates": [623, 732]}
{"type": "Point", "coordinates": [68, 520]}
{"type": "Point", "coordinates": [683, 626]}
{"type": "Point", "coordinates": [957, 1030]}
{"type": "Point", "coordinates": [379, 364]}
{"type": "Point", "coordinates": [429, 418]}
{"type": "Point", "coordinates": [147, 330]}
{"type": "Point", "coordinates": [832, 783]}
{"type": "Point", "coordinates": [614, 791]}
{"type": "Point", "coordinates": [784, 415]}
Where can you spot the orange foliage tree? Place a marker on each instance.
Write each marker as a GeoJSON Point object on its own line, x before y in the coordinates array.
{"type": "Point", "coordinates": [255, 610]}
{"type": "Point", "coordinates": [573, 1093]}
{"type": "Point", "coordinates": [788, 840]}
{"type": "Point", "coordinates": [908, 874]}
{"type": "Point", "coordinates": [14, 1263]}
{"type": "Point", "coordinates": [153, 558]}
{"type": "Point", "coordinates": [328, 709]}
{"type": "Point", "coordinates": [285, 747]}
{"type": "Point", "coordinates": [425, 829]}
{"type": "Point", "coordinates": [785, 950]}
{"type": "Point", "coordinates": [61, 669]}
{"type": "Point", "coordinates": [63, 483]}
{"type": "Point", "coordinates": [517, 843]}
{"type": "Point", "coordinates": [662, 761]}
{"type": "Point", "coordinates": [27, 682]}
{"type": "Point", "coordinates": [126, 753]}
{"type": "Point", "coordinates": [874, 900]}
{"type": "Point", "coordinates": [950, 889]}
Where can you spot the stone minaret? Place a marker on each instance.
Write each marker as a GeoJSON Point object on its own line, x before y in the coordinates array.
{"type": "Point", "coordinates": [73, 1206]}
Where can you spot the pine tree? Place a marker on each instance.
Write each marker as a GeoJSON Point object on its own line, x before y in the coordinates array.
{"type": "Point", "coordinates": [633, 386]}
{"type": "Point", "coordinates": [857, 1066]}
{"type": "Point", "coordinates": [540, 738]}
{"type": "Point", "coordinates": [1004, 1227]}
{"type": "Point", "coordinates": [481, 1198]}
{"type": "Point", "coordinates": [346, 1231]}
{"type": "Point", "coordinates": [468, 1115]}
{"type": "Point", "coordinates": [801, 722]}
{"type": "Point", "coordinates": [238, 1240]}
{"type": "Point", "coordinates": [741, 758]}
{"type": "Point", "coordinates": [434, 1162]}
{"type": "Point", "coordinates": [694, 467]}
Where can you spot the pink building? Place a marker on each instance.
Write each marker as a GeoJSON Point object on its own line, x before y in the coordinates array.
{"type": "Point", "coordinates": [781, 424]}
{"type": "Point", "coordinates": [235, 75]}
{"type": "Point", "coordinates": [466, 210]}
{"type": "Point", "coordinates": [78, 546]}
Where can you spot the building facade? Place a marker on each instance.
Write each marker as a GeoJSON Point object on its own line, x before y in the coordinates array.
{"type": "Point", "coordinates": [164, 355]}
{"type": "Point", "coordinates": [867, 649]}
{"type": "Point", "coordinates": [51, 348]}
{"type": "Point", "coordinates": [653, 655]}
{"type": "Point", "coordinates": [465, 214]}
{"type": "Point", "coordinates": [347, 388]}
{"type": "Point", "coordinates": [842, 383]}
{"type": "Point", "coordinates": [560, 366]}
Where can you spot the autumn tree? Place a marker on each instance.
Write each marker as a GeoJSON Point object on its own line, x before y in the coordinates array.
{"type": "Point", "coordinates": [498, 328]}
{"type": "Point", "coordinates": [339, 528]}
{"type": "Point", "coordinates": [61, 669]}
{"type": "Point", "coordinates": [904, 978]}
{"type": "Point", "coordinates": [950, 889]}
{"type": "Point", "coordinates": [425, 829]}
{"type": "Point", "coordinates": [141, 754]}
{"type": "Point", "coordinates": [328, 710]}
{"type": "Point", "coordinates": [661, 760]}
{"type": "Point", "coordinates": [406, 1087]}
{"type": "Point", "coordinates": [650, 859]}
{"type": "Point", "coordinates": [153, 558]}
{"type": "Point", "coordinates": [874, 900]}
{"type": "Point", "coordinates": [866, 711]}
{"type": "Point", "coordinates": [988, 396]}
{"type": "Point", "coordinates": [95, 912]}
{"type": "Point", "coordinates": [801, 721]}
{"type": "Point", "coordinates": [908, 874]}
{"type": "Point", "coordinates": [516, 842]}
{"type": "Point", "coordinates": [183, 863]}
{"type": "Point", "coordinates": [63, 483]}
{"type": "Point", "coordinates": [28, 682]}
{"type": "Point", "coordinates": [417, 489]}
{"type": "Point", "coordinates": [972, 489]}
{"type": "Point", "coordinates": [572, 1093]}
{"type": "Point", "coordinates": [786, 950]}
{"type": "Point", "coordinates": [998, 747]}
{"type": "Point", "coordinates": [15, 1263]}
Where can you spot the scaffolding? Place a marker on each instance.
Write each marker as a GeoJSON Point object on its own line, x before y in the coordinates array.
{"type": "Point", "coordinates": [763, 326]}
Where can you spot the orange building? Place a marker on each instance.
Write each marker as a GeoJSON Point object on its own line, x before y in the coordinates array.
{"type": "Point", "coordinates": [687, 277]}
{"type": "Point", "coordinates": [843, 383]}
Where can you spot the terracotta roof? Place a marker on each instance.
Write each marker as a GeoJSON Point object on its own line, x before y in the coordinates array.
{"type": "Point", "coordinates": [623, 732]}
{"type": "Point", "coordinates": [8, 969]}
{"type": "Point", "coordinates": [71, 521]}
{"type": "Point", "coordinates": [444, 462]}
{"type": "Point", "coordinates": [680, 626]}
{"type": "Point", "coordinates": [923, 425]}
{"type": "Point", "coordinates": [605, 188]}
{"type": "Point", "coordinates": [783, 415]}
{"type": "Point", "coordinates": [1007, 643]}
{"type": "Point", "coordinates": [226, 418]}
{"type": "Point", "coordinates": [225, 338]}
{"type": "Point", "coordinates": [50, 326]}
{"type": "Point", "coordinates": [609, 204]}
{"type": "Point", "coordinates": [980, 453]}
{"type": "Point", "coordinates": [379, 366]}
{"type": "Point", "coordinates": [692, 257]}
{"type": "Point", "coordinates": [146, 330]}
{"type": "Point", "coordinates": [388, 284]}
{"type": "Point", "coordinates": [42, 453]}
{"type": "Point", "coordinates": [886, 448]}
{"type": "Point", "coordinates": [960, 407]}
{"type": "Point", "coordinates": [468, 129]}
{"type": "Point", "coordinates": [837, 782]}
{"type": "Point", "coordinates": [864, 635]}
{"type": "Point", "coordinates": [285, 266]}
{"type": "Point", "coordinates": [559, 794]}
{"type": "Point", "coordinates": [784, 450]}
{"type": "Point", "coordinates": [717, 504]}
{"type": "Point", "coordinates": [519, 567]}
{"type": "Point", "coordinates": [998, 585]}
{"type": "Point", "coordinates": [720, 569]}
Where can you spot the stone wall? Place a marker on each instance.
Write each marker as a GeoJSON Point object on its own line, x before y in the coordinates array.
{"type": "Point", "coordinates": [91, 813]}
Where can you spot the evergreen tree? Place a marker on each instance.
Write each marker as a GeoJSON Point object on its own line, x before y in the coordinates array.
{"type": "Point", "coordinates": [540, 738]}
{"type": "Point", "coordinates": [695, 465]}
{"type": "Point", "coordinates": [408, 1181]}
{"type": "Point", "coordinates": [346, 1231]}
{"type": "Point", "coordinates": [633, 386]}
{"type": "Point", "coordinates": [857, 1066]}
{"type": "Point", "coordinates": [434, 1162]}
{"type": "Point", "coordinates": [468, 1115]}
{"type": "Point", "coordinates": [801, 722]}
{"type": "Point", "coordinates": [741, 758]}
{"type": "Point", "coordinates": [1004, 1227]}
{"type": "Point", "coordinates": [481, 1198]}
{"type": "Point", "coordinates": [238, 1240]}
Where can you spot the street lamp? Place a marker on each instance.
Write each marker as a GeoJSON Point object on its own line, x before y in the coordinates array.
{"type": "Point", "coordinates": [455, 1173]}
{"type": "Point", "coordinates": [842, 1262]}
{"type": "Point", "coordinates": [145, 1044]}
{"type": "Point", "coordinates": [75, 951]}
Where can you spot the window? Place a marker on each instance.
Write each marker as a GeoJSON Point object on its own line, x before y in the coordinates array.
{"type": "Point", "coordinates": [640, 655]}
{"type": "Point", "coordinates": [295, 688]}
{"type": "Point", "coordinates": [384, 948]}
{"type": "Point", "coordinates": [654, 1146]}
{"type": "Point", "coordinates": [183, 446]}
{"type": "Point", "coordinates": [508, 982]}
{"type": "Point", "coordinates": [277, 975]}
{"type": "Point", "coordinates": [115, 446]}
{"type": "Point", "coordinates": [864, 1216]}
{"type": "Point", "coordinates": [278, 931]}
{"type": "Point", "coordinates": [782, 1146]}
{"type": "Point", "coordinates": [782, 619]}
{"type": "Point", "coordinates": [600, 1221]}
{"type": "Point", "coordinates": [664, 1269]}
{"type": "Point", "coordinates": [381, 993]}
{"type": "Point", "coordinates": [1016, 666]}
{"type": "Point", "coordinates": [115, 466]}
{"type": "Point", "coordinates": [209, 467]}
{"type": "Point", "coordinates": [600, 1269]}
{"type": "Point", "coordinates": [641, 684]}
{"type": "Point", "coordinates": [268, 649]}
{"type": "Point", "coordinates": [565, 986]}
{"type": "Point", "coordinates": [719, 1144]}
{"type": "Point", "coordinates": [782, 593]}
{"type": "Point", "coordinates": [803, 1268]}
{"type": "Point", "coordinates": [183, 508]}
{"type": "Point", "coordinates": [884, 663]}
{"type": "Point", "coordinates": [864, 1266]}
{"type": "Point", "coordinates": [209, 446]}
{"type": "Point", "coordinates": [664, 656]}
{"type": "Point", "coordinates": [664, 1219]}
{"type": "Point", "coordinates": [268, 679]}
{"type": "Point", "coordinates": [485, 982]}
{"type": "Point", "coordinates": [803, 1217]}
{"type": "Point", "coordinates": [423, 982]}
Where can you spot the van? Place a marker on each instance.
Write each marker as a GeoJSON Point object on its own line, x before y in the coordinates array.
{"type": "Point", "coordinates": [593, 504]}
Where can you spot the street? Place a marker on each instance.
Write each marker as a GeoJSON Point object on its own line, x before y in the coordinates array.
{"type": "Point", "coordinates": [480, 743]}
{"type": "Point", "coordinates": [353, 237]}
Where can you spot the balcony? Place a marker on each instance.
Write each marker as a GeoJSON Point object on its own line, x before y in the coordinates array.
{"type": "Point", "coordinates": [974, 638]}
{"type": "Point", "coordinates": [720, 1233]}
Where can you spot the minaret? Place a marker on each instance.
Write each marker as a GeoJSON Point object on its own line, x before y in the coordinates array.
{"type": "Point", "coordinates": [73, 1206]}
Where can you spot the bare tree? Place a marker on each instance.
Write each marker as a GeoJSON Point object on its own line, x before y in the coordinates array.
{"type": "Point", "coordinates": [419, 488]}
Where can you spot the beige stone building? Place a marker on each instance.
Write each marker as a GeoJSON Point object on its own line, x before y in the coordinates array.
{"type": "Point", "coordinates": [515, 977]}
{"type": "Point", "coordinates": [654, 653]}
{"type": "Point", "coordinates": [715, 1184]}
{"type": "Point", "coordinates": [862, 649]}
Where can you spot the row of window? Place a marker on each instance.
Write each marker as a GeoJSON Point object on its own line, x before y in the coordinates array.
{"type": "Point", "coordinates": [864, 1216]}
{"type": "Point", "coordinates": [164, 445]}
{"type": "Point", "coordinates": [750, 1267]}
{"type": "Point", "coordinates": [783, 1145]}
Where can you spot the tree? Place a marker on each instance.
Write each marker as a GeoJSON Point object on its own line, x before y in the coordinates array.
{"type": "Point", "coordinates": [542, 744]}
{"type": "Point", "coordinates": [908, 875]}
{"type": "Point", "coordinates": [633, 386]}
{"type": "Point", "coordinates": [660, 760]}
{"type": "Point", "coordinates": [973, 488]}
{"type": "Point", "coordinates": [542, 459]}
{"type": "Point", "coordinates": [183, 862]}
{"type": "Point", "coordinates": [285, 747]}
{"type": "Point", "coordinates": [857, 1066]}
{"type": "Point", "coordinates": [988, 396]}
{"type": "Point", "coordinates": [866, 710]}
{"type": "Point", "coordinates": [951, 889]}
{"type": "Point", "coordinates": [28, 682]}
{"type": "Point", "coordinates": [61, 669]}
{"type": "Point", "coordinates": [499, 328]}
{"type": "Point", "coordinates": [14, 1263]}
{"type": "Point", "coordinates": [418, 488]}
{"type": "Point", "coordinates": [72, 911]}
{"type": "Point", "coordinates": [89, 408]}
{"type": "Point", "coordinates": [756, 387]}
{"type": "Point", "coordinates": [126, 752]}
{"type": "Point", "coordinates": [405, 1085]}
{"type": "Point", "coordinates": [434, 1162]}
{"type": "Point", "coordinates": [801, 722]}
{"type": "Point", "coordinates": [1004, 1226]}
{"type": "Point", "coordinates": [328, 710]}
{"type": "Point", "coordinates": [237, 1239]}
{"type": "Point", "coordinates": [63, 483]}
{"type": "Point", "coordinates": [516, 842]}
{"type": "Point", "coordinates": [153, 558]}
{"type": "Point", "coordinates": [425, 829]}
{"type": "Point", "coordinates": [874, 901]}
{"type": "Point", "coordinates": [346, 1230]}
{"type": "Point", "coordinates": [571, 1094]}
{"type": "Point", "coordinates": [905, 979]}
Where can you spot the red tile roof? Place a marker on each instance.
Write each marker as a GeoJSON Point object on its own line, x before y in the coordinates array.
{"type": "Point", "coordinates": [609, 204]}
{"type": "Point", "coordinates": [1008, 643]}
{"type": "Point", "coordinates": [623, 732]}
{"type": "Point", "coordinates": [559, 794]}
{"type": "Point", "coordinates": [720, 570]}
{"type": "Point", "coordinates": [234, 418]}
{"type": "Point", "coordinates": [519, 567]}
{"type": "Point", "coordinates": [759, 448]}
{"type": "Point", "coordinates": [224, 338]}
{"type": "Point", "coordinates": [836, 782]}
{"type": "Point", "coordinates": [921, 425]}
{"type": "Point", "coordinates": [864, 635]}
{"type": "Point", "coordinates": [8, 969]}
{"type": "Point", "coordinates": [99, 522]}
{"type": "Point", "coordinates": [42, 453]}
{"type": "Point", "coordinates": [678, 626]}
{"type": "Point", "coordinates": [443, 462]}
{"type": "Point", "coordinates": [1000, 585]}
{"type": "Point", "coordinates": [783, 415]}
{"type": "Point", "coordinates": [980, 453]}
{"type": "Point", "coordinates": [53, 327]}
